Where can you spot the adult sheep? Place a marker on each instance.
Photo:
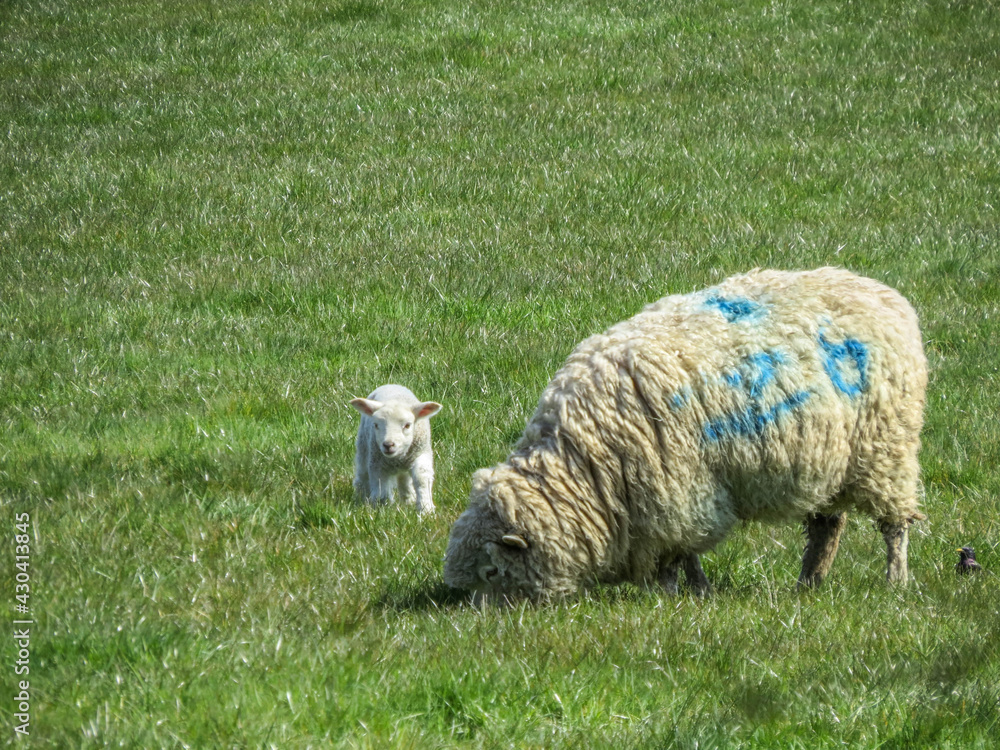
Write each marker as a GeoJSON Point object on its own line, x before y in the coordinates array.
{"type": "Point", "coordinates": [774, 396]}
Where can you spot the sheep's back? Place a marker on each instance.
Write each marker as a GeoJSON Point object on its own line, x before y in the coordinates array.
{"type": "Point", "coordinates": [762, 393]}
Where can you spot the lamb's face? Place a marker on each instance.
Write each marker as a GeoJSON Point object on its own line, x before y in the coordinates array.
{"type": "Point", "coordinates": [393, 425]}
{"type": "Point", "coordinates": [394, 422]}
{"type": "Point", "coordinates": [490, 554]}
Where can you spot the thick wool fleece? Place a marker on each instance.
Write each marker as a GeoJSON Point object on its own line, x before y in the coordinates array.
{"type": "Point", "coordinates": [774, 396]}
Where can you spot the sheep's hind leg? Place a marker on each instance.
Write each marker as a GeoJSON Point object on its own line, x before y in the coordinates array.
{"type": "Point", "coordinates": [896, 537]}
{"type": "Point", "coordinates": [361, 481]}
{"type": "Point", "coordinates": [823, 538]}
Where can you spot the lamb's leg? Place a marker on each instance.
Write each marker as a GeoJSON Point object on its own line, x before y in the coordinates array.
{"type": "Point", "coordinates": [896, 537]}
{"type": "Point", "coordinates": [381, 487]}
{"type": "Point", "coordinates": [405, 487]}
{"type": "Point", "coordinates": [361, 468]}
{"type": "Point", "coordinates": [423, 478]}
{"type": "Point", "coordinates": [695, 576]}
{"type": "Point", "coordinates": [822, 539]}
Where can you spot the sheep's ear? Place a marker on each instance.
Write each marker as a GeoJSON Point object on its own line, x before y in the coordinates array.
{"type": "Point", "coordinates": [426, 409]}
{"type": "Point", "coordinates": [514, 540]}
{"type": "Point", "coordinates": [481, 480]}
{"type": "Point", "coordinates": [366, 406]}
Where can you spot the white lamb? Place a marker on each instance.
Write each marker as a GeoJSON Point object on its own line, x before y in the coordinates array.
{"type": "Point", "coordinates": [773, 396]}
{"type": "Point", "coordinates": [394, 447]}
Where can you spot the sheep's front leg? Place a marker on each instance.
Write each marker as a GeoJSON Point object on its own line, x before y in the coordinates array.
{"type": "Point", "coordinates": [896, 540]}
{"type": "Point", "coordinates": [668, 577]}
{"type": "Point", "coordinates": [693, 574]}
{"type": "Point", "coordinates": [381, 487]}
{"type": "Point", "coordinates": [406, 492]}
{"type": "Point", "coordinates": [422, 476]}
{"type": "Point", "coordinates": [822, 540]}
{"type": "Point", "coordinates": [696, 579]}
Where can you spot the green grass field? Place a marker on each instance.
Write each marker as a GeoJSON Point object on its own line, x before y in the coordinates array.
{"type": "Point", "coordinates": [222, 220]}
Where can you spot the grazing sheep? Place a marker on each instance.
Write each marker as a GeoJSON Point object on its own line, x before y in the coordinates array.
{"type": "Point", "coordinates": [394, 446]}
{"type": "Point", "coordinates": [774, 396]}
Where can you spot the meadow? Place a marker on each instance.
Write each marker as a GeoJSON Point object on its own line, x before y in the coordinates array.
{"type": "Point", "coordinates": [220, 221]}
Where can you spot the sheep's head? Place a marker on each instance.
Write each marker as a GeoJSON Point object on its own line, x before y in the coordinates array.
{"type": "Point", "coordinates": [503, 547]}
{"type": "Point", "coordinates": [394, 422]}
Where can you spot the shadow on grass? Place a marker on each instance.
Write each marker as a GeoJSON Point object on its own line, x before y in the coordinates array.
{"type": "Point", "coordinates": [423, 597]}
{"type": "Point", "coordinates": [437, 595]}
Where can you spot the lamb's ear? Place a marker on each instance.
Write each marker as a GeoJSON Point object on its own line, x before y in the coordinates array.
{"type": "Point", "coordinates": [426, 409]}
{"type": "Point", "coordinates": [366, 406]}
{"type": "Point", "coordinates": [514, 540]}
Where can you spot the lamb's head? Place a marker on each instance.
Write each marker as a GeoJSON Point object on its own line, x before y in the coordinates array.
{"type": "Point", "coordinates": [394, 422]}
{"type": "Point", "coordinates": [503, 547]}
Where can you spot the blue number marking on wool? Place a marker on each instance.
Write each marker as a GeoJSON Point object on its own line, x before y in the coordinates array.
{"type": "Point", "coordinates": [679, 400]}
{"type": "Point", "coordinates": [753, 377]}
{"type": "Point", "coordinates": [756, 373]}
{"type": "Point", "coordinates": [735, 308]}
{"type": "Point", "coordinates": [753, 420]}
{"type": "Point", "coordinates": [844, 360]}
{"type": "Point", "coordinates": [763, 368]}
